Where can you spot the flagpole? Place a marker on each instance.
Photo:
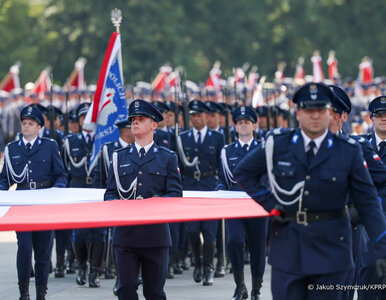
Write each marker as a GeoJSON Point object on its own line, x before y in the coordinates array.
{"type": "Point", "coordinates": [116, 19]}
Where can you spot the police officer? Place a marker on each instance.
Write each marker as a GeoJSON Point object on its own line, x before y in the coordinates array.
{"type": "Point", "coordinates": [33, 163]}
{"type": "Point", "coordinates": [199, 149]}
{"type": "Point", "coordinates": [255, 228]}
{"type": "Point", "coordinates": [311, 171]}
{"type": "Point", "coordinates": [162, 135]}
{"type": "Point", "coordinates": [364, 272]}
{"type": "Point", "coordinates": [141, 171]}
{"type": "Point", "coordinates": [377, 108]}
{"type": "Point", "coordinates": [73, 125]}
{"type": "Point", "coordinates": [77, 150]}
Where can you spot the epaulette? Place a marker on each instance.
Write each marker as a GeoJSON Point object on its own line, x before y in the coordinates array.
{"type": "Point", "coordinates": [13, 142]}
{"type": "Point", "coordinates": [184, 132]}
{"type": "Point", "coordinates": [366, 135]}
{"type": "Point", "coordinates": [359, 139]}
{"type": "Point", "coordinates": [278, 131]}
{"type": "Point", "coordinates": [48, 139]}
{"type": "Point", "coordinates": [346, 139]}
{"type": "Point", "coordinates": [166, 149]}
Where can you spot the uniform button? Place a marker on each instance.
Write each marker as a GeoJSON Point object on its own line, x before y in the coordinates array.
{"type": "Point", "coordinates": [282, 173]}
{"type": "Point", "coordinates": [308, 177]}
{"type": "Point", "coordinates": [157, 173]}
{"type": "Point", "coordinates": [124, 173]}
{"type": "Point", "coordinates": [30, 171]}
{"type": "Point", "coordinates": [29, 162]}
{"type": "Point", "coordinates": [306, 193]}
{"type": "Point", "coordinates": [341, 238]}
{"type": "Point", "coordinates": [140, 172]}
{"type": "Point", "coordinates": [333, 178]}
{"type": "Point", "coordinates": [139, 184]}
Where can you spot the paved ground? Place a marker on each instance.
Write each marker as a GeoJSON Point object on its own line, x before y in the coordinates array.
{"type": "Point", "coordinates": [182, 287]}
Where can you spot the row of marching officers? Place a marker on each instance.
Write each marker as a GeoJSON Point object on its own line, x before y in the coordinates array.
{"type": "Point", "coordinates": [303, 176]}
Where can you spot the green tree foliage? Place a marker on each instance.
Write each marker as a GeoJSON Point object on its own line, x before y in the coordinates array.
{"type": "Point", "coordinates": [193, 34]}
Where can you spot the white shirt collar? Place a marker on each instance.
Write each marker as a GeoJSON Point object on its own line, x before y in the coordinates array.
{"type": "Point", "coordinates": [31, 142]}
{"type": "Point", "coordinates": [248, 143]}
{"type": "Point", "coordinates": [147, 147]}
{"type": "Point", "coordinates": [378, 140]}
{"type": "Point", "coordinates": [92, 133]}
{"type": "Point", "coordinates": [318, 141]}
{"type": "Point", "coordinates": [203, 133]}
{"type": "Point", "coordinates": [123, 143]}
{"type": "Point", "coordinates": [218, 128]}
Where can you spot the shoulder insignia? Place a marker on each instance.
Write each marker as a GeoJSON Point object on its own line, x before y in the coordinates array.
{"type": "Point", "coordinates": [346, 139]}
{"type": "Point", "coordinates": [165, 149]}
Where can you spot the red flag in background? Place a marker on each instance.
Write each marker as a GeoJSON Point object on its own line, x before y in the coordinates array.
{"type": "Point", "coordinates": [160, 81]}
{"type": "Point", "coordinates": [11, 80]}
{"type": "Point", "coordinates": [43, 83]}
{"type": "Point", "coordinates": [214, 78]}
{"type": "Point", "coordinates": [366, 71]}
{"type": "Point", "coordinates": [332, 63]}
{"type": "Point", "coordinates": [317, 70]}
{"type": "Point", "coordinates": [76, 79]}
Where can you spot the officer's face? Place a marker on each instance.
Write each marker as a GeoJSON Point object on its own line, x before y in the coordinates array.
{"type": "Point", "coordinates": [379, 121]}
{"type": "Point", "coordinates": [169, 119]}
{"type": "Point", "coordinates": [142, 126]}
{"type": "Point", "coordinates": [245, 127]}
{"type": "Point", "coordinates": [30, 128]}
{"type": "Point", "coordinates": [198, 120]}
{"type": "Point", "coordinates": [212, 120]}
{"type": "Point", "coordinates": [314, 121]}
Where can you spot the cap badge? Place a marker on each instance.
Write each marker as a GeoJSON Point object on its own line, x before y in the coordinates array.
{"type": "Point", "coordinates": [136, 104]}
{"type": "Point", "coordinates": [383, 100]}
{"type": "Point", "coordinates": [29, 111]}
{"type": "Point", "coordinates": [313, 91]}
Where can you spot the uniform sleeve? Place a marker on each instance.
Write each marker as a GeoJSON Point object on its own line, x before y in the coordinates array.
{"type": "Point", "coordinates": [222, 182]}
{"type": "Point", "coordinates": [60, 178]}
{"type": "Point", "coordinates": [4, 185]}
{"type": "Point", "coordinates": [221, 145]}
{"type": "Point", "coordinates": [173, 179]}
{"type": "Point", "coordinates": [364, 195]}
{"type": "Point", "coordinates": [111, 187]}
{"type": "Point", "coordinates": [98, 178]}
{"type": "Point", "coordinates": [248, 174]}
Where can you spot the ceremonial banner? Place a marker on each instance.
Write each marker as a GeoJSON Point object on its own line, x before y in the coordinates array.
{"type": "Point", "coordinates": [11, 80]}
{"type": "Point", "coordinates": [127, 212]}
{"type": "Point", "coordinates": [109, 105]}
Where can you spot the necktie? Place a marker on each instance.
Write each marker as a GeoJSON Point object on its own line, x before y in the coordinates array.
{"type": "Point", "coordinates": [245, 148]}
{"type": "Point", "coordinates": [199, 137]}
{"type": "Point", "coordinates": [382, 147]}
{"type": "Point", "coordinates": [310, 153]}
{"type": "Point", "coordinates": [142, 153]}
{"type": "Point", "coordinates": [89, 141]}
{"type": "Point", "coordinates": [28, 146]}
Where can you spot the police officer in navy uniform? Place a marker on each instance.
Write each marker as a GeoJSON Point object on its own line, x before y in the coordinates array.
{"type": "Point", "coordinates": [255, 229]}
{"type": "Point", "coordinates": [199, 149]}
{"type": "Point", "coordinates": [88, 242]}
{"type": "Point", "coordinates": [33, 163]}
{"type": "Point", "coordinates": [143, 170]}
{"type": "Point", "coordinates": [364, 272]}
{"type": "Point", "coordinates": [377, 108]}
{"type": "Point", "coordinates": [311, 171]}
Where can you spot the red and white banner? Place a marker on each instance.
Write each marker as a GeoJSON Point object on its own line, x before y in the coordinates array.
{"type": "Point", "coordinates": [366, 71]}
{"type": "Point", "coordinates": [214, 79]}
{"type": "Point", "coordinates": [317, 70]}
{"type": "Point", "coordinates": [161, 80]}
{"type": "Point", "coordinates": [11, 80]}
{"type": "Point", "coordinates": [76, 79]}
{"type": "Point", "coordinates": [126, 212]}
{"type": "Point", "coordinates": [332, 63]}
{"type": "Point", "coordinates": [42, 84]}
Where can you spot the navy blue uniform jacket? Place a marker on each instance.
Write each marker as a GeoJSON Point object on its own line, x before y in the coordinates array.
{"type": "Point", "coordinates": [157, 175]}
{"type": "Point", "coordinates": [44, 160]}
{"type": "Point", "coordinates": [337, 169]}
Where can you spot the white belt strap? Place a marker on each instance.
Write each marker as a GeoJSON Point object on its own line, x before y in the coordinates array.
{"type": "Point", "coordinates": [133, 186]}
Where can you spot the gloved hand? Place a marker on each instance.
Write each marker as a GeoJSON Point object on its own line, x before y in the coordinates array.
{"type": "Point", "coordinates": [278, 215]}
{"type": "Point", "coordinates": [354, 216]}
{"type": "Point", "coordinates": [380, 265]}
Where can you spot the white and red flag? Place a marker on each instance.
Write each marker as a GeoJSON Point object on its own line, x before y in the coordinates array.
{"type": "Point", "coordinates": [76, 79]}
{"type": "Point", "coordinates": [11, 80]}
{"type": "Point", "coordinates": [332, 63]}
{"type": "Point", "coordinates": [300, 73]}
{"type": "Point", "coordinates": [214, 79]}
{"type": "Point", "coordinates": [317, 70]}
{"type": "Point", "coordinates": [43, 83]}
{"type": "Point", "coordinates": [253, 77]}
{"type": "Point", "coordinates": [366, 71]}
{"type": "Point", "coordinates": [160, 81]}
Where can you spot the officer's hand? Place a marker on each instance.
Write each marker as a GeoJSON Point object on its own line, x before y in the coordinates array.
{"type": "Point", "coordinates": [278, 216]}
{"type": "Point", "coordinates": [380, 265]}
{"type": "Point", "coordinates": [354, 216]}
